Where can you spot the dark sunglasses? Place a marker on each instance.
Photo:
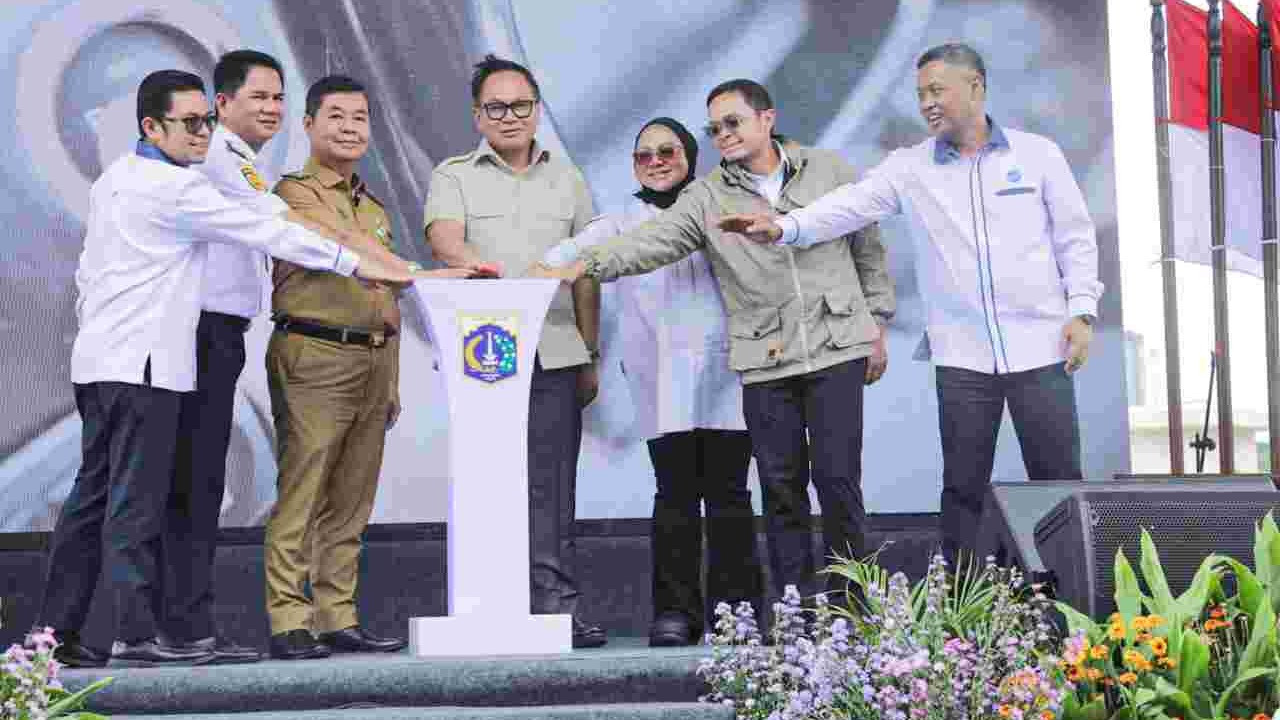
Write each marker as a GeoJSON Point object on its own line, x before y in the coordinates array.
{"type": "Point", "coordinates": [498, 110]}
{"type": "Point", "coordinates": [193, 123]}
{"type": "Point", "coordinates": [647, 157]}
{"type": "Point", "coordinates": [730, 123]}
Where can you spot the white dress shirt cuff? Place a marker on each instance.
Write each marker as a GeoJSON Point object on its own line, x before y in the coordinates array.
{"type": "Point", "coordinates": [562, 254]}
{"type": "Point", "coordinates": [346, 262]}
{"type": "Point", "coordinates": [790, 230]}
{"type": "Point", "coordinates": [1078, 305]}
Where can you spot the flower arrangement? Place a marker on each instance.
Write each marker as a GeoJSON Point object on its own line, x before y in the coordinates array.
{"type": "Point", "coordinates": [975, 646]}
{"type": "Point", "coordinates": [29, 684]}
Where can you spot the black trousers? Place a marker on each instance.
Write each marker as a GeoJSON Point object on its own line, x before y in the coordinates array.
{"type": "Point", "coordinates": [827, 404]}
{"type": "Point", "coordinates": [1042, 403]}
{"type": "Point", "coordinates": [692, 468]}
{"type": "Point", "coordinates": [115, 514]}
{"type": "Point", "coordinates": [204, 432]}
{"type": "Point", "coordinates": [555, 438]}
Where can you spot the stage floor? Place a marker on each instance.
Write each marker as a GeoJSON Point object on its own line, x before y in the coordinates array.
{"type": "Point", "coordinates": [625, 679]}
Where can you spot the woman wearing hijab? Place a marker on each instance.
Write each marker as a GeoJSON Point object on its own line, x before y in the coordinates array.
{"type": "Point", "coordinates": [674, 353]}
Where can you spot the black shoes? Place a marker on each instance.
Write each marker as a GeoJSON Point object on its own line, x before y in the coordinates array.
{"type": "Point", "coordinates": [671, 629]}
{"type": "Point", "coordinates": [357, 639]}
{"type": "Point", "coordinates": [74, 654]}
{"type": "Point", "coordinates": [297, 645]}
{"type": "Point", "coordinates": [588, 636]}
{"type": "Point", "coordinates": [224, 651]}
{"type": "Point", "coordinates": [152, 652]}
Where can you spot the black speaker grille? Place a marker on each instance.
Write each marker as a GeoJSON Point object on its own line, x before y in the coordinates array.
{"type": "Point", "coordinates": [1184, 531]}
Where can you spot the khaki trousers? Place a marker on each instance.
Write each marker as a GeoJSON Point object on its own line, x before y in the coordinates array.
{"type": "Point", "coordinates": [330, 402]}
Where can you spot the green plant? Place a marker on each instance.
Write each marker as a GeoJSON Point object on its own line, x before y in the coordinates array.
{"type": "Point", "coordinates": [29, 684]}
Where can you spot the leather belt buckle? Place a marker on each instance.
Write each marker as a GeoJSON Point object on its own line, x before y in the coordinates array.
{"type": "Point", "coordinates": [377, 340]}
{"type": "Point", "coordinates": [345, 333]}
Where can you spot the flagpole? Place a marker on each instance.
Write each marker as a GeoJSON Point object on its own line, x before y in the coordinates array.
{"type": "Point", "coordinates": [1168, 270]}
{"type": "Point", "coordinates": [1217, 207]}
{"type": "Point", "coordinates": [1271, 298]}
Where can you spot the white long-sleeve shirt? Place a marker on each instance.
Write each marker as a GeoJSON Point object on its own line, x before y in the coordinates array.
{"type": "Point", "coordinates": [675, 342]}
{"type": "Point", "coordinates": [235, 276]}
{"type": "Point", "coordinates": [1008, 253]}
{"type": "Point", "coordinates": [139, 280]}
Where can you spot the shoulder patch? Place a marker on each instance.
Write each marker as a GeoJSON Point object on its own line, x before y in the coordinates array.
{"type": "Point", "coordinates": [251, 176]}
{"type": "Point", "coordinates": [457, 159]}
{"type": "Point", "coordinates": [299, 175]}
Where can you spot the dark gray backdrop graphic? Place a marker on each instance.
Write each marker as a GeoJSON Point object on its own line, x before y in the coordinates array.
{"type": "Point", "coordinates": [842, 75]}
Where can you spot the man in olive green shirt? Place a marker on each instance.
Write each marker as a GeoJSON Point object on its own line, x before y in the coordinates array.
{"type": "Point", "coordinates": [508, 202]}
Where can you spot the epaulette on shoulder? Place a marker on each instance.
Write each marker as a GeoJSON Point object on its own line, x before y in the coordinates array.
{"type": "Point", "coordinates": [299, 175]}
{"type": "Point", "coordinates": [458, 159]}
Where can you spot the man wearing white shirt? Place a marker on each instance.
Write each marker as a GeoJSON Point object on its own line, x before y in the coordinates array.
{"type": "Point", "coordinates": [1008, 266]}
{"type": "Point", "coordinates": [150, 220]}
{"type": "Point", "coordinates": [249, 88]}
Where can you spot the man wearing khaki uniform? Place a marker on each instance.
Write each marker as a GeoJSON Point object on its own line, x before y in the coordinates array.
{"type": "Point", "coordinates": [508, 202]}
{"type": "Point", "coordinates": [333, 371]}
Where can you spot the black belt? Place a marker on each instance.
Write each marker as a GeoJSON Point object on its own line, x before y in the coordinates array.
{"type": "Point", "coordinates": [345, 335]}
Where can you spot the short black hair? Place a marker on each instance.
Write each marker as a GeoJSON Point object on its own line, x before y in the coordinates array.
{"type": "Point", "coordinates": [328, 85]}
{"type": "Point", "coordinates": [494, 64]}
{"type": "Point", "coordinates": [155, 94]}
{"type": "Point", "coordinates": [233, 68]}
{"type": "Point", "coordinates": [958, 54]}
{"type": "Point", "coordinates": [752, 92]}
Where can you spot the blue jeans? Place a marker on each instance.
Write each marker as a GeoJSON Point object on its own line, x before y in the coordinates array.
{"type": "Point", "coordinates": [1042, 403]}
{"type": "Point", "coordinates": [828, 404]}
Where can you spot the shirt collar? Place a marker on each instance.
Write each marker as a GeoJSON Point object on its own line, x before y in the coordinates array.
{"type": "Point", "coordinates": [234, 143]}
{"type": "Point", "coordinates": [944, 151]}
{"type": "Point", "coordinates": [151, 152]}
{"type": "Point", "coordinates": [485, 150]}
{"type": "Point", "coordinates": [739, 175]}
{"type": "Point", "coordinates": [327, 176]}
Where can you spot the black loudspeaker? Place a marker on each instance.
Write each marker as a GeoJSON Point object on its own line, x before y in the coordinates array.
{"type": "Point", "coordinates": [1011, 510]}
{"type": "Point", "coordinates": [1077, 540]}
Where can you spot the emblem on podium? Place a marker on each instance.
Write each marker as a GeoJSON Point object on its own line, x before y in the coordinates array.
{"type": "Point", "coordinates": [489, 346]}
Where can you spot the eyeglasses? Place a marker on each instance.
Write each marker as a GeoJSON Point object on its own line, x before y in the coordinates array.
{"type": "Point", "coordinates": [498, 110]}
{"type": "Point", "coordinates": [730, 123]}
{"type": "Point", "coordinates": [648, 157]}
{"type": "Point", "coordinates": [192, 123]}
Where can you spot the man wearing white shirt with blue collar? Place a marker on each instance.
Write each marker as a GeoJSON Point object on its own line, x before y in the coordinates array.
{"type": "Point", "coordinates": [1008, 267]}
{"type": "Point", "coordinates": [151, 218]}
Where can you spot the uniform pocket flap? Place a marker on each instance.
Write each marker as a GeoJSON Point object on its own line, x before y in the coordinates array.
{"type": "Point", "coordinates": [754, 323]}
{"type": "Point", "coordinates": [842, 302]}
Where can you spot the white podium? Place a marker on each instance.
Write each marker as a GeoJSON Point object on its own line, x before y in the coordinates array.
{"type": "Point", "coordinates": [486, 332]}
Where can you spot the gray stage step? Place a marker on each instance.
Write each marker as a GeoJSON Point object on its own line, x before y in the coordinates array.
{"type": "Point", "coordinates": [623, 711]}
{"type": "Point", "coordinates": [624, 672]}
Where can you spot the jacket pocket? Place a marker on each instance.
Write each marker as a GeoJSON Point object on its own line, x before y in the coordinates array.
{"type": "Point", "coordinates": [755, 339]}
{"type": "Point", "coordinates": [847, 319]}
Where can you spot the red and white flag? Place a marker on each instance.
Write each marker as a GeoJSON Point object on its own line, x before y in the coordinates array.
{"type": "Point", "coordinates": [1188, 54]}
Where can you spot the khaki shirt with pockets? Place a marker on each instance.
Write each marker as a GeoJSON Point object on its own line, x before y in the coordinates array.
{"type": "Point", "coordinates": [513, 218]}
{"type": "Point", "coordinates": [791, 311]}
{"type": "Point", "coordinates": [321, 194]}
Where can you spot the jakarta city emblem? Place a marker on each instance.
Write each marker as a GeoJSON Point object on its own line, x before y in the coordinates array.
{"type": "Point", "coordinates": [489, 346]}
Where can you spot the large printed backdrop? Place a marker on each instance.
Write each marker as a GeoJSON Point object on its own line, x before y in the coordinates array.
{"type": "Point", "coordinates": [841, 73]}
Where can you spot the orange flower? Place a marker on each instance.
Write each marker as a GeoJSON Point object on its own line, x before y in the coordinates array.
{"type": "Point", "coordinates": [1128, 678]}
{"type": "Point", "coordinates": [1159, 646]}
{"type": "Point", "coordinates": [1006, 711]}
{"type": "Point", "coordinates": [1133, 658]}
{"type": "Point", "coordinates": [1073, 673]}
{"type": "Point", "coordinates": [1115, 617]}
{"type": "Point", "coordinates": [1155, 621]}
{"type": "Point", "coordinates": [1262, 716]}
{"type": "Point", "coordinates": [1168, 662]}
{"type": "Point", "coordinates": [1211, 625]}
{"type": "Point", "coordinates": [1217, 612]}
{"type": "Point", "coordinates": [1094, 674]}
{"type": "Point", "coordinates": [1046, 715]}
{"type": "Point", "coordinates": [1116, 631]}
{"type": "Point", "coordinates": [1099, 652]}
{"type": "Point", "coordinates": [1142, 637]}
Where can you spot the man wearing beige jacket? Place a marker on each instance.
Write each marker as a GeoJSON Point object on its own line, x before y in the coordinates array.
{"type": "Point", "coordinates": [805, 326]}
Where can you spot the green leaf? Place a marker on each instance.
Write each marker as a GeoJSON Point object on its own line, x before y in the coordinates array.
{"type": "Point", "coordinates": [1076, 620]}
{"type": "Point", "coordinates": [1262, 538]}
{"type": "Point", "coordinates": [1128, 594]}
{"type": "Point", "coordinates": [1191, 602]}
{"type": "Point", "coordinates": [1261, 650]}
{"type": "Point", "coordinates": [1249, 591]}
{"type": "Point", "coordinates": [1153, 573]}
{"type": "Point", "coordinates": [71, 702]}
{"type": "Point", "coordinates": [1172, 695]}
{"type": "Point", "coordinates": [1095, 710]}
{"type": "Point", "coordinates": [1193, 661]}
{"type": "Point", "coordinates": [1220, 707]}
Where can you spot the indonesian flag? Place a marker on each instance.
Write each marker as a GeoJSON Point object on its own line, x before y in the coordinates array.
{"type": "Point", "coordinates": [1188, 53]}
